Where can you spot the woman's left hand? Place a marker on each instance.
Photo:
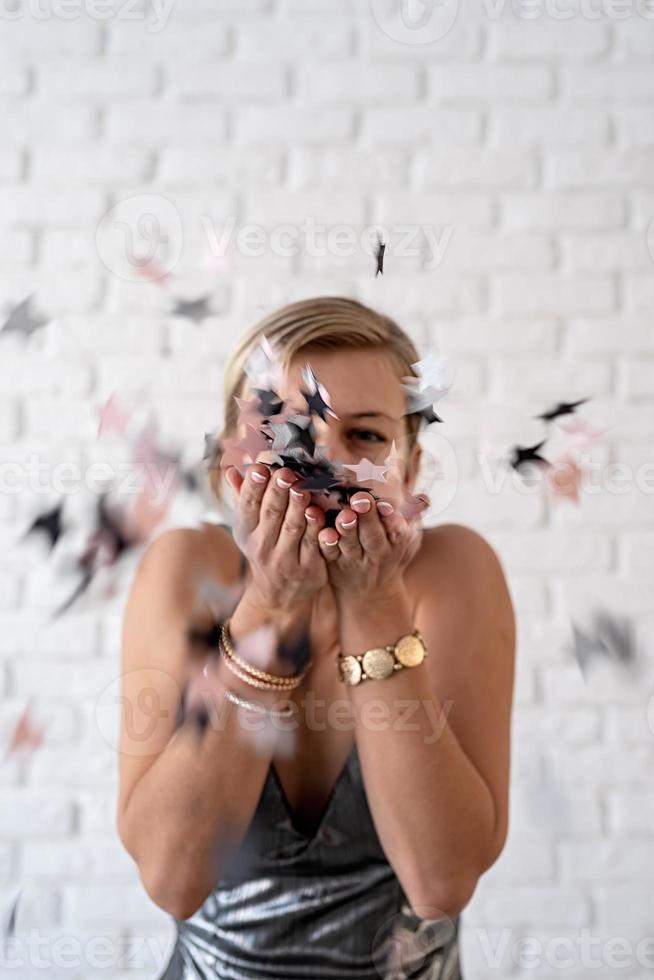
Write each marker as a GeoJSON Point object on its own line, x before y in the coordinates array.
{"type": "Point", "coordinates": [367, 560]}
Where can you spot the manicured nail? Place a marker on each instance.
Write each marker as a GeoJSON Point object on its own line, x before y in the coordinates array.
{"type": "Point", "coordinates": [283, 483]}
{"type": "Point", "coordinates": [362, 505]}
{"type": "Point", "coordinates": [297, 494]}
{"type": "Point", "coordinates": [310, 517]}
{"type": "Point", "coordinates": [349, 524]}
{"type": "Point", "coordinates": [258, 477]}
{"type": "Point", "coordinates": [330, 544]}
{"type": "Point", "coordinates": [385, 507]}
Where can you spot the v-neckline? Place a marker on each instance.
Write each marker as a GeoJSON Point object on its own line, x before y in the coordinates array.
{"type": "Point", "coordinates": [328, 805]}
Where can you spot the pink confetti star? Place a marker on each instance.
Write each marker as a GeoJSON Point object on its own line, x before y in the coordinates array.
{"type": "Point", "coordinates": [366, 471]}
{"type": "Point", "coordinates": [112, 417]}
{"type": "Point", "coordinates": [26, 735]}
{"type": "Point", "coordinates": [563, 478]}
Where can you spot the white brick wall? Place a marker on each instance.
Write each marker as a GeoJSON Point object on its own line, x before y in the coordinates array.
{"type": "Point", "coordinates": [525, 145]}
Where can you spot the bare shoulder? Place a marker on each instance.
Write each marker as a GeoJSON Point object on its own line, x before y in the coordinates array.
{"type": "Point", "coordinates": [209, 548]}
{"type": "Point", "coordinates": [460, 559]}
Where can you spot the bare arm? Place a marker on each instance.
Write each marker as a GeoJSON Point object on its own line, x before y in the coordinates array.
{"type": "Point", "coordinates": [437, 770]}
{"type": "Point", "coordinates": [185, 799]}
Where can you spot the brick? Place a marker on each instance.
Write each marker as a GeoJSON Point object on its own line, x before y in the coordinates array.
{"type": "Point", "coordinates": [11, 165]}
{"type": "Point", "coordinates": [630, 812]}
{"type": "Point", "coordinates": [227, 80]}
{"type": "Point", "coordinates": [473, 83]}
{"type": "Point", "coordinates": [280, 124]}
{"type": "Point", "coordinates": [16, 247]}
{"type": "Point", "coordinates": [632, 83]}
{"type": "Point", "coordinates": [594, 253]}
{"type": "Point", "coordinates": [111, 904]}
{"type": "Point", "coordinates": [626, 335]}
{"type": "Point", "coordinates": [548, 125]}
{"type": "Point", "coordinates": [639, 292]}
{"type": "Point", "coordinates": [476, 168]}
{"type": "Point", "coordinates": [97, 165]}
{"type": "Point", "coordinates": [638, 379]}
{"type": "Point", "coordinates": [30, 813]}
{"type": "Point", "coordinates": [555, 905]}
{"type": "Point", "coordinates": [13, 78]}
{"type": "Point", "coordinates": [187, 41]}
{"type": "Point", "coordinates": [101, 858]}
{"type": "Point", "coordinates": [469, 210]}
{"type": "Point", "coordinates": [551, 294]}
{"type": "Point", "coordinates": [325, 37]}
{"type": "Point", "coordinates": [38, 206]}
{"type": "Point", "coordinates": [553, 549]}
{"type": "Point", "coordinates": [502, 334]}
{"type": "Point", "coordinates": [544, 38]}
{"type": "Point", "coordinates": [52, 38]}
{"type": "Point", "coordinates": [590, 168]}
{"type": "Point", "coordinates": [562, 212]}
{"type": "Point", "coordinates": [369, 83]}
{"type": "Point", "coordinates": [570, 724]}
{"type": "Point", "coordinates": [416, 122]}
{"type": "Point", "coordinates": [94, 79]}
{"type": "Point", "coordinates": [607, 861]}
{"type": "Point", "coordinates": [463, 40]}
{"type": "Point", "coordinates": [281, 207]}
{"type": "Point", "coordinates": [155, 122]}
{"type": "Point", "coordinates": [634, 126]}
{"type": "Point", "coordinates": [386, 166]}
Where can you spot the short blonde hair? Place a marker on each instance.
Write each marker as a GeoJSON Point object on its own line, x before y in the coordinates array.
{"type": "Point", "coordinates": [322, 323]}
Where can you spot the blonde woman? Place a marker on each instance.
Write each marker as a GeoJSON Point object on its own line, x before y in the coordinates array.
{"type": "Point", "coordinates": [354, 855]}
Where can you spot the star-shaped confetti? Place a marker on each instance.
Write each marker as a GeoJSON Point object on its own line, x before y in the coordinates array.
{"type": "Point", "coordinates": [521, 455]}
{"type": "Point", "coordinates": [365, 471]}
{"type": "Point", "coordinates": [316, 396]}
{"type": "Point", "coordinates": [113, 418]}
{"type": "Point", "coordinates": [563, 408]}
{"type": "Point", "coordinates": [50, 524]}
{"type": "Point", "coordinates": [610, 637]}
{"type": "Point", "coordinates": [23, 320]}
{"type": "Point", "coordinates": [563, 477]}
{"type": "Point", "coordinates": [193, 309]}
{"type": "Point", "coordinates": [379, 256]}
{"type": "Point", "coordinates": [26, 735]}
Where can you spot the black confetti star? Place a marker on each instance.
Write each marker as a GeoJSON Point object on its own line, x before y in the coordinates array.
{"type": "Point", "coordinates": [379, 256]}
{"type": "Point", "coordinates": [50, 523]}
{"type": "Point", "coordinates": [527, 454]}
{"type": "Point", "coordinates": [194, 309]}
{"type": "Point", "coordinates": [23, 320]}
{"type": "Point", "coordinates": [563, 408]}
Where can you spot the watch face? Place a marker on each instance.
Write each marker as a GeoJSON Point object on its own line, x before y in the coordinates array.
{"type": "Point", "coordinates": [410, 651]}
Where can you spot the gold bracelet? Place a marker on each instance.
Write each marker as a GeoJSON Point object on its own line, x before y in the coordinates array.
{"type": "Point", "coordinates": [381, 662]}
{"type": "Point", "coordinates": [254, 706]}
{"type": "Point", "coordinates": [261, 685]}
{"type": "Point", "coordinates": [274, 679]}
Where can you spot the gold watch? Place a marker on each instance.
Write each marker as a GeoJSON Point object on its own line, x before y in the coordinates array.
{"type": "Point", "coordinates": [380, 662]}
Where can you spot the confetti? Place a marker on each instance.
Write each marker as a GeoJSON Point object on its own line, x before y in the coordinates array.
{"type": "Point", "coordinates": [196, 309]}
{"type": "Point", "coordinates": [563, 408]}
{"type": "Point", "coordinates": [379, 256]}
{"type": "Point", "coordinates": [26, 735]}
{"type": "Point", "coordinates": [521, 455]}
{"type": "Point", "coordinates": [23, 320]}
{"type": "Point", "coordinates": [609, 637]}
{"type": "Point", "coordinates": [50, 524]}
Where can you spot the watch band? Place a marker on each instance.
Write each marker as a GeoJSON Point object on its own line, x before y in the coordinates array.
{"type": "Point", "coordinates": [380, 662]}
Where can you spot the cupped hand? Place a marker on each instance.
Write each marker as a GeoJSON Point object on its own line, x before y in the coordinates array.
{"type": "Point", "coordinates": [369, 549]}
{"type": "Point", "coordinates": [277, 528]}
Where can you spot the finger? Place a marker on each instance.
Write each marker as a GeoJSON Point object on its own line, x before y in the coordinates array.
{"type": "Point", "coordinates": [348, 538]}
{"type": "Point", "coordinates": [394, 525]}
{"type": "Point", "coordinates": [251, 492]}
{"type": "Point", "coordinates": [372, 536]}
{"type": "Point", "coordinates": [328, 541]}
{"type": "Point", "coordinates": [315, 521]}
{"type": "Point", "coordinates": [293, 526]}
{"type": "Point", "coordinates": [273, 506]}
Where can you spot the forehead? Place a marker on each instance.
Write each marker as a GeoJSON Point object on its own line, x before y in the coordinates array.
{"type": "Point", "coordinates": [356, 380]}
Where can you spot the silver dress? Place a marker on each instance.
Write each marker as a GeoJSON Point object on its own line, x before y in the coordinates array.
{"type": "Point", "coordinates": [328, 905]}
{"type": "Point", "coordinates": [297, 906]}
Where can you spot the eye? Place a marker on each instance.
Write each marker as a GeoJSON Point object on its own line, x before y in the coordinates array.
{"type": "Point", "coordinates": [368, 432]}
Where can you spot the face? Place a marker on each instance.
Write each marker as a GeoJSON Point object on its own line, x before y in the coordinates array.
{"type": "Point", "coordinates": [367, 396]}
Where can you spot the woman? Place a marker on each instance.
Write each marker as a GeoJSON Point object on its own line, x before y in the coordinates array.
{"type": "Point", "coordinates": [353, 854]}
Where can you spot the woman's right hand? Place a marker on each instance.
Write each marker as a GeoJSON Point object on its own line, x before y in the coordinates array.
{"type": "Point", "coordinates": [279, 541]}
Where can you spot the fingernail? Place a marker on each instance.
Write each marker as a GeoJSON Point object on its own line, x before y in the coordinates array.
{"type": "Point", "coordinates": [349, 524]}
{"type": "Point", "coordinates": [258, 477]}
{"type": "Point", "coordinates": [297, 494]}
{"type": "Point", "coordinates": [309, 517]}
{"type": "Point", "coordinates": [361, 505]}
{"type": "Point", "coordinates": [283, 483]}
{"type": "Point", "coordinates": [330, 544]}
{"type": "Point", "coordinates": [385, 507]}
